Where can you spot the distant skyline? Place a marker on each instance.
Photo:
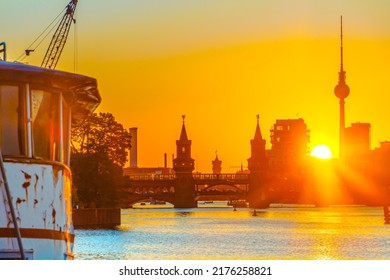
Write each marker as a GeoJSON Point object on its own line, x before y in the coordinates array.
{"type": "Point", "coordinates": [220, 63]}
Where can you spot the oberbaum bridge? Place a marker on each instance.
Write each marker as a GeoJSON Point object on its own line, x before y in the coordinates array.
{"type": "Point", "coordinates": [184, 188]}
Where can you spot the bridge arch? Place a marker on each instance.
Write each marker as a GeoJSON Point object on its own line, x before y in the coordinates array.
{"type": "Point", "coordinates": [211, 186]}
{"type": "Point", "coordinates": [170, 188]}
{"type": "Point", "coordinates": [130, 200]}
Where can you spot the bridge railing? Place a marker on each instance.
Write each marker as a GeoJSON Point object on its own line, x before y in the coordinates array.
{"type": "Point", "coordinates": [223, 177]}
{"type": "Point", "coordinates": [151, 177]}
{"type": "Point", "coordinates": [233, 177]}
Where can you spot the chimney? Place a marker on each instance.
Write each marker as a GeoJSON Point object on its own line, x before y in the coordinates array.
{"type": "Point", "coordinates": [133, 149]}
{"type": "Point", "coordinates": [165, 160]}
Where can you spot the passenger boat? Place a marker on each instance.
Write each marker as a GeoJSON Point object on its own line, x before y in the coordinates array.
{"type": "Point", "coordinates": [238, 203]}
{"type": "Point", "coordinates": [37, 108]}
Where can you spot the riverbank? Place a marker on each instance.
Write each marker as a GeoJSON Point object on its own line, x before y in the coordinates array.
{"type": "Point", "coordinates": [96, 217]}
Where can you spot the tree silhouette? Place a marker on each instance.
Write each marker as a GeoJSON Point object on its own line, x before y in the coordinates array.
{"type": "Point", "coordinates": [99, 151]}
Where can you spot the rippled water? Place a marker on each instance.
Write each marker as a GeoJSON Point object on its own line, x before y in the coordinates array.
{"type": "Point", "coordinates": [221, 233]}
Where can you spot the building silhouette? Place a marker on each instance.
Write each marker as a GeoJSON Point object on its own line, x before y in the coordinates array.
{"type": "Point", "coordinates": [134, 169]}
{"type": "Point", "coordinates": [380, 162]}
{"type": "Point", "coordinates": [357, 142]}
{"type": "Point", "coordinates": [133, 147]}
{"type": "Point", "coordinates": [289, 139]}
{"type": "Point", "coordinates": [288, 160]}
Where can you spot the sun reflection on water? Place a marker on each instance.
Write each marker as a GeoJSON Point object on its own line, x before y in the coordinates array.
{"type": "Point", "coordinates": [207, 233]}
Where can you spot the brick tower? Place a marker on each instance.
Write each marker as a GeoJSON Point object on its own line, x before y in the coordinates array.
{"type": "Point", "coordinates": [183, 165]}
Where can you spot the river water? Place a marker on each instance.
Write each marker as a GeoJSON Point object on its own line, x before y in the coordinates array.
{"type": "Point", "coordinates": [219, 233]}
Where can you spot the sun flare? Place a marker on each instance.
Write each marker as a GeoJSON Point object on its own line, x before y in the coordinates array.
{"type": "Point", "coordinates": [321, 151]}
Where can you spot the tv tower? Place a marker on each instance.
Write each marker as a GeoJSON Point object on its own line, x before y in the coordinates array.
{"type": "Point", "coordinates": [342, 91]}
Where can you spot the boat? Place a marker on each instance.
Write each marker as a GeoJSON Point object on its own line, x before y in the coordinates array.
{"type": "Point", "coordinates": [156, 202]}
{"type": "Point", "coordinates": [37, 108]}
{"type": "Point", "coordinates": [238, 203]}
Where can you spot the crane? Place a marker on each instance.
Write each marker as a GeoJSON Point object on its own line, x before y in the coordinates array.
{"type": "Point", "coordinates": [58, 40]}
{"type": "Point", "coordinates": [3, 50]}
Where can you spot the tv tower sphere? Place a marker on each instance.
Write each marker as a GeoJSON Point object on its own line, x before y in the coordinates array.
{"type": "Point", "coordinates": [341, 90]}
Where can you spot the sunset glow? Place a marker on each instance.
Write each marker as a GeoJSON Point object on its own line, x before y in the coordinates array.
{"type": "Point", "coordinates": [220, 64]}
{"type": "Point", "coordinates": [321, 152]}
{"type": "Point", "coordinates": [263, 125]}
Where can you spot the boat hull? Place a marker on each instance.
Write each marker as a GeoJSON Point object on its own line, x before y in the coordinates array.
{"type": "Point", "coordinates": [41, 197]}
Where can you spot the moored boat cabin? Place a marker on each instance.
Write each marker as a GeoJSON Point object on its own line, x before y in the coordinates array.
{"type": "Point", "coordinates": [37, 108]}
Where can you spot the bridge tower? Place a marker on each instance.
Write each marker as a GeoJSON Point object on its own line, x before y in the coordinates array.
{"type": "Point", "coordinates": [217, 165]}
{"type": "Point", "coordinates": [258, 165]}
{"type": "Point", "coordinates": [183, 165]}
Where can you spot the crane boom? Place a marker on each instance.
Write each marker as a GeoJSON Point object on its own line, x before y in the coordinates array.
{"type": "Point", "coordinates": [58, 41]}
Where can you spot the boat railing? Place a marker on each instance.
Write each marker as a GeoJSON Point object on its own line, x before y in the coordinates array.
{"type": "Point", "coordinates": [11, 207]}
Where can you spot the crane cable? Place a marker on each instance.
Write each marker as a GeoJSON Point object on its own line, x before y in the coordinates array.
{"type": "Point", "coordinates": [30, 48]}
{"type": "Point", "coordinates": [75, 49]}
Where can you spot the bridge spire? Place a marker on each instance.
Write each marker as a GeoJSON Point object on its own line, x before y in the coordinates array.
{"type": "Point", "coordinates": [183, 161]}
{"type": "Point", "coordinates": [257, 158]}
{"type": "Point", "coordinates": [258, 136]}
{"type": "Point", "coordinates": [183, 134]}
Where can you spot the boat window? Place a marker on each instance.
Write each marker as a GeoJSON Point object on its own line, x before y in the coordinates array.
{"type": "Point", "coordinates": [45, 124]}
{"type": "Point", "coordinates": [66, 131]}
{"type": "Point", "coordinates": [9, 119]}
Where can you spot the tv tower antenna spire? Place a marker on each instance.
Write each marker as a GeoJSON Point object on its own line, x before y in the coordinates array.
{"type": "Point", "coordinates": [341, 91]}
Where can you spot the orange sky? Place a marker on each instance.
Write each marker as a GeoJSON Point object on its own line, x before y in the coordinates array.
{"type": "Point", "coordinates": [220, 63]}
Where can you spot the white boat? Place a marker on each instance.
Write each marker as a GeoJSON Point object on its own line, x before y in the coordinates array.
{"type": "Point", "coordinates": [37, 107]}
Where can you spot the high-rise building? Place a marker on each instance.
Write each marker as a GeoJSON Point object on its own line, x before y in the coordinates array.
{"type": "Point", "coordinates": [133, 148]}
{"type": "Point", "coordinates": [357, 141]}
{"type": "Point", "coordinates": [134, 169]}
{"type": "Point", "coordinates": [289, 139]}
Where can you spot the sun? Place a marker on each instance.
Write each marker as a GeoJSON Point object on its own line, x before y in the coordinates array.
{"type": "Point", "coordinates": [321, 152]}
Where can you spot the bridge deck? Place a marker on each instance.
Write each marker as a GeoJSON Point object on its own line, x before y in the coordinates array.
{"type": "Point", "coordinates": [228, 186]}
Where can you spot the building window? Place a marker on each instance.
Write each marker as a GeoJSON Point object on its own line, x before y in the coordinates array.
{"type": "Point", "coordinates": [183, 150]}
{"type": "Point", "coordinates": [11, 142]}
{"type": "Point", "coordinates": [279, 127]}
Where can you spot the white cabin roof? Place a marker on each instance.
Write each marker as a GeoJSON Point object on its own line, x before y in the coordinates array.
{"type": "Point", "coordinates": [80, 91]}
